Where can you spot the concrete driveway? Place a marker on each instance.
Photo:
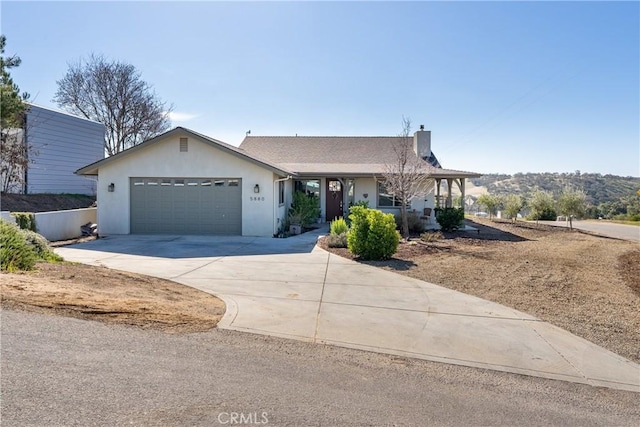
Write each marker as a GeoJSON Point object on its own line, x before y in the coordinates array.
{"type": "Point", "coordinates": [291, 288]}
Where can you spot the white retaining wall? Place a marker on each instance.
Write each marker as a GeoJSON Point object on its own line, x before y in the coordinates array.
{"type": "Point", "coordinates": [62, 225]}
{"type": "Point", "coordinates": [7, 217]}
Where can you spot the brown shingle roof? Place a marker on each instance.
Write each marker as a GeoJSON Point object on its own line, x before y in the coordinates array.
{"type": "Point", "coordinates": [335, 155]}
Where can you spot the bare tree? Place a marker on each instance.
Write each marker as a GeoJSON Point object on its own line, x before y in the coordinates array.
{"type": "Point", "coordinates": [406, 177]}
{"type": "Point", "coordinates": [113, 93]}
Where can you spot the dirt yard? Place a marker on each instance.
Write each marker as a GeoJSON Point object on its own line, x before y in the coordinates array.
{"type": "Point", "coordinates": [111, 296]}
{"type": "Point", "coordinates": [585, 284]}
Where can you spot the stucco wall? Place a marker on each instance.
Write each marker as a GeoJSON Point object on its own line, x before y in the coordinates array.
{"type": "Point", "coordinates": [281, 212]}
{"type": "Point", "coordinates": [62, 225]}
{"type": "Point", "coordinates": [164, 159]}
{"type": "Point", "coordinates": [6, 215]}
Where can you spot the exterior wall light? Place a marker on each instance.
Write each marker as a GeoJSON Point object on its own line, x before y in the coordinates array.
{"type": "Point", "coordinates": [256, 189]}
{"type": "Point", "coordinates": [111, 187]}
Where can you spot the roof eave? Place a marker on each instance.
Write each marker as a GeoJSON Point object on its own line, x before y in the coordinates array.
{"type": "Point", "coordinates": [93, 168]}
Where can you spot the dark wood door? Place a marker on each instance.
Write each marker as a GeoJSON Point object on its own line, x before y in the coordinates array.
{"type": "Point", "coordinates": [334, 199]}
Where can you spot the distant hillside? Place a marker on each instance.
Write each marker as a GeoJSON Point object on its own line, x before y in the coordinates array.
{"type": "Point", "coordinates": [599, 188]}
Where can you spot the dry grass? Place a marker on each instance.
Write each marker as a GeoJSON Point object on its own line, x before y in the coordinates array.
{"type": "Point", "coordinates": [111, 296]}
{"type": "Point", "coordinates": [585, 284]}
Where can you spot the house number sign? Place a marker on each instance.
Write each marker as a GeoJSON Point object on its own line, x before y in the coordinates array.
{"type": "Point", "coordinates": [256, 199]}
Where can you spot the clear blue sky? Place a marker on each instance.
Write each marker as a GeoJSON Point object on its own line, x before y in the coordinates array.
{"type": "Point", "coordinates": [503, 86]}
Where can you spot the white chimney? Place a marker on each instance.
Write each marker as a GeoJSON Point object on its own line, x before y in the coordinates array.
{"type": "Point", "coordinates": [422, 143]}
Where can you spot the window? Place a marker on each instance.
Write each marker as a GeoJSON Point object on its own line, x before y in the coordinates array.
{"type": "Point", "coordinates": [184, 145]}
{"type": "Point", "coordinates": [178, 183]}
{"type": "Point", "coordinates": [281, 193]}
{"type": "Point", "coordinates": [234, 183]}
{"type": "Point", "coordinates": [308, 186]}
{"type": "Point", "coordinates": [206, 183]}
{"type": "Point", "coordinates": [386, 200]}
{"type": "Point", "coordinates": [138, 182]}
{"type": "Point", "coordinates": [165, 182]}
{"type": "Point", "coordinates": [219, 183]}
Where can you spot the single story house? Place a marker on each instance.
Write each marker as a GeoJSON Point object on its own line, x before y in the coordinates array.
{"type": "Point", "coordinates": [60, 143]}
{"type": "Point", "coordinates": [183, 182]}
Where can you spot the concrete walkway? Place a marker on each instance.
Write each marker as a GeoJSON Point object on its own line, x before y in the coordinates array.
{"type": "Point", "coordinates": [291, 288]}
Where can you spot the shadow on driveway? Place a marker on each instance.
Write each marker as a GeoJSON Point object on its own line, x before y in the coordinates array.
{"type": "Point", "coordinates": [176, 247]}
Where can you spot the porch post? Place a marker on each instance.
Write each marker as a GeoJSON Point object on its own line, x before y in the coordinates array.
{"type": "Point", "coordinates": [449, 203]}
{"type": "Point", "coordinates": [345, 196]}
{"type": "Point", "coordinates": [461, 185]}
{"type": "Point", "coordinates": [438, 181]}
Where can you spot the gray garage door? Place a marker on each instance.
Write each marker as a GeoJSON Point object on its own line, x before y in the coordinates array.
{"type": "Point", "coordinates": [186, 206]}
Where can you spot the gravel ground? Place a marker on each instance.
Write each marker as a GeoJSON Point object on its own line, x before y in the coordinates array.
{"type": "Point", "coordinates": [586, 284]}
{"type": "Point", "coordinates": [62, 371]}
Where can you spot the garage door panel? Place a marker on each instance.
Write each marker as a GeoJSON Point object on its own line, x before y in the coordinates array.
{"type": "Point", "coordinates": [186, 206]}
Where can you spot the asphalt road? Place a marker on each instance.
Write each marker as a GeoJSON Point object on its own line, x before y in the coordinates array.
{"type": "Point", "coordinates": [61, 371]}
{"type": "Point", "coordinates": [609, 229]}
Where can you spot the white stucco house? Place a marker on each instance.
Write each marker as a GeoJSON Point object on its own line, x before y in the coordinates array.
{"type": "Point", "coordinates": [183, 182]}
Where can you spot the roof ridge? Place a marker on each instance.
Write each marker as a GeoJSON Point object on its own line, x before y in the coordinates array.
{"type": "Point", "coordinates": [326, 136]}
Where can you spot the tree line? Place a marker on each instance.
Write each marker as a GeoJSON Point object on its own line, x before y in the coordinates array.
{"type": "Point", "coordinates": [605, 196]}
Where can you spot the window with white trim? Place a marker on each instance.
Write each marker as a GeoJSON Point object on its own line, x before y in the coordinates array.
{"type": "Point", "coordinates": [386, 200]}
{"type": "Point", "coordinates": [281, 193]}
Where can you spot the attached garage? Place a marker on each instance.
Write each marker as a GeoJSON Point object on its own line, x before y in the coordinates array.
{"type": "Point", "coordinates": [186, 206]}
{"type": "Point", "coordinates": [182, 182]}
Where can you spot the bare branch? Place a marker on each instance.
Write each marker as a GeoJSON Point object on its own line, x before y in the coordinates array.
{"type": "Point", "coordinates": [114, 94]}
{"type": "Point", "coordinates": [406, 178]}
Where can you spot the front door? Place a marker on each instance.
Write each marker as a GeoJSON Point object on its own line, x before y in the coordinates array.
{"type": "Point", "coordinates": [334, 199]}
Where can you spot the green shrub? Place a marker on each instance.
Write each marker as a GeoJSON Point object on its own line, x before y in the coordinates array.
{"type": "Point", "coordinates": [15, 253]}
{"type": "Point", "coordinates": [337, 240]}
{"type": "Point", "coordinates": [373, 234]}
{"type": "Point", "coordinates": [25, 220]}
{"type": "Point", "coordinates": [361, 203]}
{"type": "Point", "coordinates": [416, 226]}
{"type": "Point", "coordinates": [449, 218]}
{"type": "Point", "coordinates": [305, 209]}
{"type": "Point", "coordinates": [545, 215]}
{"type": "Point", "coordinates": [339, 226]}
{"type": "Point", "coordinates": [41, 246]}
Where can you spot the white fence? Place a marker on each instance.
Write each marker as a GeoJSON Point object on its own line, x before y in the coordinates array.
{"type": "Point", "coordinates": [60, 225]}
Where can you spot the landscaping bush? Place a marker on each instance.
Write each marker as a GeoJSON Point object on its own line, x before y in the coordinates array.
{"type": "Point", "coordinates": [339, 226]}
{"type": "Point", "coordinates": [21, 249]}
{"type": "Point", "coordinates": [15, 253]}
{"type": "Point", "coordinates": [545, 215]}
{"type": "Point", "coordinates": [416, 226]}
{"type": "Point", "coordinates": [373, 234]}
{"type": "Point", "coordinates": [41, 246]}
{"type": "Point", "coordinates": [305, 209]}
{"type": "Point", "coordinates": [25, 220]}
{"type": "Point", "coordinates": [449, 218]}
{"type": "Point", "coordinates": [337, 240]}
{"type": "Point", "coordinates": [362, 203]}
